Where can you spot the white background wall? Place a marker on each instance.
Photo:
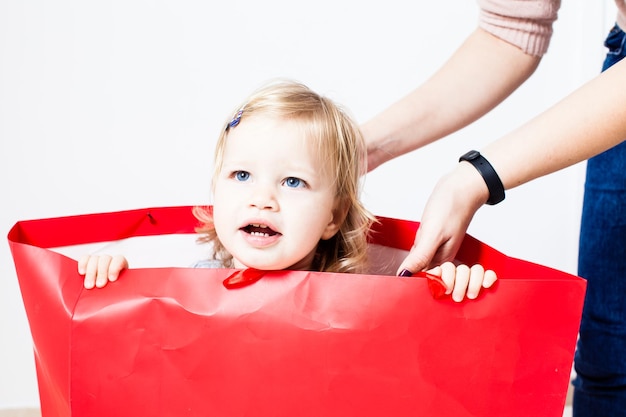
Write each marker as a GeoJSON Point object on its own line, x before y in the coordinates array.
{"type": "Point", "coordinates": [116, 105]}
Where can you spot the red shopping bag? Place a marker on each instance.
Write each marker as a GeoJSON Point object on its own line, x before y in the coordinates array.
{"type": "Point", "coordinates": [176, 342]}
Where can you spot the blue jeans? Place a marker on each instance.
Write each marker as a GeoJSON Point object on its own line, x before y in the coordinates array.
{"type": "Point", "coordinates": [600, 361]}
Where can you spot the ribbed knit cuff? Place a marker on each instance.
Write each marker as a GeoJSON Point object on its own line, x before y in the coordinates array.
{"type": "Point", "coordinates": [530, 36]}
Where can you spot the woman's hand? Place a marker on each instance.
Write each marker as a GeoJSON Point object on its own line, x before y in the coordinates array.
{"type": "Point", "coordinates": [447, 215]}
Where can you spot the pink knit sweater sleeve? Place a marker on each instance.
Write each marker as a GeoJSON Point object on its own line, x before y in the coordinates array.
{"type": "Point", "coordinates": [526, 24]}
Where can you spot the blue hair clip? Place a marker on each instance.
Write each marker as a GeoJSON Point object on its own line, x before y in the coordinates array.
{"type": "Point", "coordinates": [236, 119]}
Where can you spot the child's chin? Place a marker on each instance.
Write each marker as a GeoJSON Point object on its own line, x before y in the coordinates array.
{"type": "Point", "coordinates": [264, 266]}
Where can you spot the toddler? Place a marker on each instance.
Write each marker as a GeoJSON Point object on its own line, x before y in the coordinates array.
{"type": "Point", "coordinates": [286, 194]}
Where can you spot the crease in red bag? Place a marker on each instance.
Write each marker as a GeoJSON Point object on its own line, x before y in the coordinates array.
{"type": "Point", "coordinates": [435, 284]}
{"type": "Point", "coordinates": [243, 278]}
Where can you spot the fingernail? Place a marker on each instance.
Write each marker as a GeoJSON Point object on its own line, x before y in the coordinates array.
{"type": "Point", "coordinates": [405, 273]}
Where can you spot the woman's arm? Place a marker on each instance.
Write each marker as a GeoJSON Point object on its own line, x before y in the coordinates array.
{"type": "Point", "coordinates": [479, 75]}
{"type": "Point", "coordinates": [587, 122]}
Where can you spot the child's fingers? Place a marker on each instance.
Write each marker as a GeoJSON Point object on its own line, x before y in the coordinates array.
{"type": "Point", "coordinates": [100, 269]}
{"type": "Point", "coordinates": [435, 271]}
{"type": "Point", "coordinates": [446, 271]}
{"type": "Point", "coordinates": [118, 263]}
{"type": "Point", "coordinates": [461, 281]}
{"type": "Point", "coordinates": [102, 277]}
{"type": "Point", "coordinates": [476, 281]}
{"type": "Point", "coordinates": [464, 281]}
{"type": "Point", "coordinates": [82, 264]}
{"type": "Point", "coordinates": [490, 278]}
{"type": "Point", "coordinates": [90, 270]}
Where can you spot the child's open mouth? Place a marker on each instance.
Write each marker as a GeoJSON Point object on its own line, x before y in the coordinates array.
{"type": "Point", "coordinates": [260, 230]}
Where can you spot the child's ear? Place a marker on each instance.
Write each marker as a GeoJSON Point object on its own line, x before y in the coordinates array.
{"type": "Point", "coordinates": [339, 214]}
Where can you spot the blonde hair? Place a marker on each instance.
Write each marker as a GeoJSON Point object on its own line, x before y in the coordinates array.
{"type": "Point", "coordinates": [340, 145]}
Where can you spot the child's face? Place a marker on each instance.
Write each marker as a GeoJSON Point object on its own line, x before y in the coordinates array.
{"type": "Point", "coordinates": [272, 200]}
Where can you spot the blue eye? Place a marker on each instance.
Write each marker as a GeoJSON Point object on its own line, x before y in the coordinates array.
{"type": "Point", "coordinates": [242, 175]}
{"type": "Point", "coordinates": [294, 182]}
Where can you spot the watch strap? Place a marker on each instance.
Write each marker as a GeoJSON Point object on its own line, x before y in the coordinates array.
{"type": "Point", "coordinates": [494, 184]}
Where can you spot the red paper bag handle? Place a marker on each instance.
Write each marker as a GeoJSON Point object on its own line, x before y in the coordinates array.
{"type": "Point", "coordinates": [436, 286]}
{"type": "Point", "coordinates": [243, 278]}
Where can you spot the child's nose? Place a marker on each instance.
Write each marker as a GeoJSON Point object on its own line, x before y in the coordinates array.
{"type": "Point", "coordinates": [264, 198]}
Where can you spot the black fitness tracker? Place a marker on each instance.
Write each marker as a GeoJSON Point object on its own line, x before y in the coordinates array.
{"type": "Point", "coordinates": [494, 184]}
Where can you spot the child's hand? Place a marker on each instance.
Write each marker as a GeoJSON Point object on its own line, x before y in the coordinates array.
{"type": "Point", "coordinates": [464, 281]}
{"type": "Point", "coordinates": [100, 269]}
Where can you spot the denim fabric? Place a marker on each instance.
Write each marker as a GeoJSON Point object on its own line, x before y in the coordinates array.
{"type": "Point", "coordinates": [600, 361]}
